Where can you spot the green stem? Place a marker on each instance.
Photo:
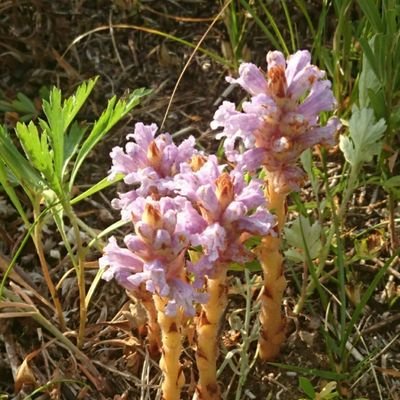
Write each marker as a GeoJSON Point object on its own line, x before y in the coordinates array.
{"type": "Point", "coordinates": [37, 240]}
{"type": "Point", "coordinates": [79, 265]}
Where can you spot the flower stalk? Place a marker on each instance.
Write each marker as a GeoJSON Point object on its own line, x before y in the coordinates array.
{"type": "Point", "coordinates": [153, 327]}
{"type": "Point", "coordinates": [170, 326]}
{"type": "Point", "coordinates": [273, 322]}
{"type": "Point", "coordinates": [233, 210]}
{"type": "Point", "coordinates": [208, 325]}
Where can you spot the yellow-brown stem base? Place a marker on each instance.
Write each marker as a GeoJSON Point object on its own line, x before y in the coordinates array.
{"type": "Point", "coordinates": [171, 340]}
{"type": "Point", "coordinates": [273, 323]}
{"type": "Point", "coordinates": [207, 336]}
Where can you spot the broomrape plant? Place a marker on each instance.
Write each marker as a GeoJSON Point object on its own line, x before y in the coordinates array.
{"type": "Point", "coordinates": [280, 121]}
{"type": "Point", "coordinates": [184, 202]}
{"type": "Point", "coordinates": [185, 199]}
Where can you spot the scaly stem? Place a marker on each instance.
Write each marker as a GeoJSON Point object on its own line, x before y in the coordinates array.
{"type": "Point", "coordinates": [272, 321]}
{"type": "Point", "coordinates": [207, 335]}
{"type": "Point", "coordinates": [153, 328]}
{"type": "Point", "coordinates": [37, 240]}
{"type": "Point", "coordinates": [171, 351]}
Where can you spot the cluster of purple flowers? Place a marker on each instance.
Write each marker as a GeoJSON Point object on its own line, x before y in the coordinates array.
{"type": "Point", "coordinates": [180, 199]}
{"type": "Point", "coordinates": [280, 120]}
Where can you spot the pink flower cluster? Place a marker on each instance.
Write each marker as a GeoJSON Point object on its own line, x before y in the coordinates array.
{"type": "Point", "coordinates": [280, 120]}
{"type": "Point", "coordinates": [180, 199]}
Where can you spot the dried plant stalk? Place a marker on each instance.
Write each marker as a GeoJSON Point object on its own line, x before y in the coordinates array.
{"type": "Point", "coordinates": [171, 351]}
{"type": "Point", "coordinates": [207, 335]}
{"type": "Point", "coordinates": [273, 323]}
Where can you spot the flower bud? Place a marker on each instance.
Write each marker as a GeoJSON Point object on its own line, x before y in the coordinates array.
{"type": "Point", "coordinates": [152, 217]}
{"type": "Point", "coordinates": [224, 190]}
{"type": "Point", "coordinates": [197, 162]}
{"type": "Point", "coordinates": [154, 154]}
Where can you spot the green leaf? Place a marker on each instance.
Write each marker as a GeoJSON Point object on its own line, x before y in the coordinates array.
{"type": "Point", "coordinates": [392, 185]}
{"type": "Point", "coordinates": [371, 11]}
{"type": "Point", "coordinates": [370, 56]}
{"type": "Point", "coordinates": [25, 174]}
{"type": "Point", "coordinates": [36, 148]}
{"type": "Point", "coordinates": [115, 111]}
{"type": "Point", "coordinates": [74, 103]}
{"type": "Point", "coordinates": [72, 142]}
{"type": "Point", "coordinates": [330, 375]}
{"type": "Point", "coordinates": [303, 238]}
{"type": "Point", "coordinates": [329, 392]}
{"type": "Point", "coordinates": [22, 105]}
{"type": "Point", "coordinates": [252, 266]}
{"type": "Point", "coordinates": [307, 387]}
{"type": "Point", "coordinates": [307, 163]}
{"type": "Point", "coordinates": [393, 182]}
{"type": "Point", "coordinates": [377, 100]}
{"type": "Point", "coordinates": [365, 139]}
{"type": "Point", "coordinates": [59, 117]}
{"type": "Point", "coordinates": [368, 81]}
{"type": "Point", "coordinates": [104, 183]}
{"type": "Point", "coordinates": [5, 183]}
{"type": "Point", "coordinates": [55, 118]}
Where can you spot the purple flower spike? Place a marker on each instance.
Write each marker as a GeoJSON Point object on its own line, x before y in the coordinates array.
{"type": "Point", "coordinates": [281, 120]}
{"type": "Point", "coordinates": [231, 208]}
{"type": "Point", "coordinates": [155, 256]}
{"type": "Point", "coordinates": [150, 162]}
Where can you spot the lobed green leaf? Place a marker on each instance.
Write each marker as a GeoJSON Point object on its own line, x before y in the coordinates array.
{"type": "Point", "coordinates": [36, 148]}
{"type": "Point", "coordinates": [27, 176]}
{"type": "Point", "coordinates": [365, 139]}
{"type": "Point", "coordinates": [303, 238]}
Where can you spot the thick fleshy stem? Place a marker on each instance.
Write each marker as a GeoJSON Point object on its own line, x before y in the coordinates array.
{"type": "Point", "coordinates": [207, 335]}
{"type": "Point", "coordinates": [171, 338]}
{"type": "Point", "coordinates": [273, 323]}
{"type": "Point", "coordinates": [153, 328]}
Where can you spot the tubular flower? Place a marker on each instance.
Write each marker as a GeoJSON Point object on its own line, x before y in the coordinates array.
{"type": "Point", "coordinates": [155, 255]}
{"type": "Point", "coordinates": [231, 207]}
{"type": "Point", "coordinates": [281, 119]}
{"type": "Point", "coordinates": [148, 162]}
